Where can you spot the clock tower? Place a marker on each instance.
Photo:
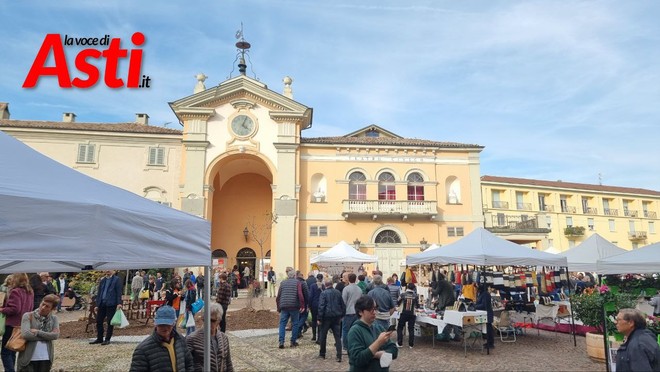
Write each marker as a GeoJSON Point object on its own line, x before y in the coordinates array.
{"type": "Point", "coordinates": [240, 165]}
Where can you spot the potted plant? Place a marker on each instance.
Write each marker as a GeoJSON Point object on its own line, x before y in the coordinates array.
{"type": "Point", "coordinates": [588, 308]}
{"type": "Point", "coordinates": [574, 231]}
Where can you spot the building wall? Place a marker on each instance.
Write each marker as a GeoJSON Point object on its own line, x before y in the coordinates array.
{"type": "Point", "coordinates": [630, 225]}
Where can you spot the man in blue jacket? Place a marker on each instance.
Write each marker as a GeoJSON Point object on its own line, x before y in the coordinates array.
{"type": "Point", "coordinates": [108, 302]}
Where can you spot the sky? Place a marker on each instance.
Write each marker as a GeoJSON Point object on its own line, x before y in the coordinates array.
{"type": "Point", "coordinates": [554, 90]}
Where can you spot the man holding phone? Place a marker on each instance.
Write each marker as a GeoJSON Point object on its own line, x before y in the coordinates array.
{"type": "Point", "coordinates": [408, 302]}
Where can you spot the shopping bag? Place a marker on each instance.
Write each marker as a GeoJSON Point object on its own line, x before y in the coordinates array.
{"type": "Point", "coordinates": [190, 322]}
{"type": "Point", "coordinates": [2, 324]}
{"type": "Point", "coordinates": [197, 306]}
{"type": "Point", "coordinates": [124, 321]}
{"type": "Point", "coordinates": [116, 319]}
{"type": "Point", "coordinates": [16, 342]}
{"type": "Point", "coordinates": [181, 321]}
{"type": "Point", "coordinates": [144, 294]}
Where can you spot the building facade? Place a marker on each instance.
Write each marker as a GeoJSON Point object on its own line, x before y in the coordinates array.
{"type": "Point", "coordinates": [556, 215]}
{"type": "Point", "coordinates": [241, 162]}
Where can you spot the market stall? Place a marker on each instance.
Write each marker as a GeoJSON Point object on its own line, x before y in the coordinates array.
{"type": "Point", "coordinates": [341, 257]}
{"type": "Point", "coordinates": [486, 251]}
{"type": "Point", "coordinates": [583, 256]}
{"type": "Point", "coordinates": [645, 260]}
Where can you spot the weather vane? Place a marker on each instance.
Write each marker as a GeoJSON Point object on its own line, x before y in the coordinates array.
{"type": "Point", "coordinates": [243, 51]}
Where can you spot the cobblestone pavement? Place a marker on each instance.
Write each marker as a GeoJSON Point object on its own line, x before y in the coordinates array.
{"type": "Point", "coordinates": [547, 351]}
{"type": "Point", "coordinates": [253, 352]}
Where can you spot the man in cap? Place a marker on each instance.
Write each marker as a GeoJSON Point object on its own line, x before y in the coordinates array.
{"type": "Point", "coordinates": [164, 349]}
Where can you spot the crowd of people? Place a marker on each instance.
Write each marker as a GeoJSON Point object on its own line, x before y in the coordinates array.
{"type": "Point", "coordinates": [356, 309]}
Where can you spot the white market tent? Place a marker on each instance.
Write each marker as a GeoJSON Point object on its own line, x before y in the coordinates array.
{"type": "Point", "coordinates": [583, 256]}
{"type": "Point", "coordinates": [481, 247]}
{"type": "Point", "coordinates": [53, 218]}
{"type": "Point", "coordinates": [342, 253]}
{"type": "Point", "coordinates": [432, 247]}
{"type": "Point", "coordinates": [645, 260]}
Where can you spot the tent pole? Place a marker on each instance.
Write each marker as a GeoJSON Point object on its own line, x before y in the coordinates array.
{"type": "Point", "coordinates": [207, 318]}
{"type": "Point", "coordinates": [570, 302]}
{"type": "Point", "coordinates": [605, 343]}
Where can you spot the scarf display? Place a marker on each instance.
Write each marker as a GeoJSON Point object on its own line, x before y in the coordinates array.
{"type": "Point", "coordinates": [45, 322]}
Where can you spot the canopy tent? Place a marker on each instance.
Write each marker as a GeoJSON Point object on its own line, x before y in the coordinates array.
{"type": "Point", "coordinates": [343, 253]}
{"type": "Point", "coordinates": [583, 256]}
{"type": "Point", "coordinates": [481, 247]}
{"type": "Point", "coordinates": [432, 247]}
{"type": "Point", "coordinates": [552, 250]}
{"type": "Point", "coordinates": [53, 218]}
{"type": "Point", "coordinates": [645, 260]}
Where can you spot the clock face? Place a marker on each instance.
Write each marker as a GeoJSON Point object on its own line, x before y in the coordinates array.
{"type": "Point", "coordinates": [242, 125]}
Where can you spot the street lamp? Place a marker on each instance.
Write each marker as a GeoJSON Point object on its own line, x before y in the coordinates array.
{"type": "Point", "coordinates": [246, 233]}
{"type": "Point", "coordinates": [356, 244]}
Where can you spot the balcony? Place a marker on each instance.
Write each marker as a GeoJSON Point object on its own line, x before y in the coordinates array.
{"type": "Point", "coordinates": [611, 212]}
{"type": "Point", "coordinates": [574, 231]}
{"type": "Point", "coordinates": [589, 210]}
{"type": "Point", "coordinates": [547, 208]}
{"type": "Point", "coordinates": [524, 206]}
{"type": "Point", "coordinates": [649, 214]}
{"type": "Point", "coordinates": [501, 204]}
{"type": "Point", "coordinates": [402, 209]}
{"type": "Point", "coordinates": [501, 223]}
{"type": "Point", "coordinates": [567, 209]}
{"type": "Point", "coordinates": [630, 213]}
{"type": "Point", "coordinates": [637, 235]}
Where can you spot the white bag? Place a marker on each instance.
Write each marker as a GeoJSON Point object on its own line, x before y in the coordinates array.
{"type": "Point", "coordinates": [124, 321]}
{"type": "Point", "coordinates": [191, 320]}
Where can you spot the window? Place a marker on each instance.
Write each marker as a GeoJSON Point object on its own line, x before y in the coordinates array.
{"type": "Point", "coordinates": [318, 231]}
{"type": "Point", "coordinates": [386, 190]}
{"type": "Point", "coordinates": [590, 223]}
{"type": "Point", "coordinates": [388, 236]}
{"type": "Point", "coordinates": [357, 186]}
{"type": "Point", "coordinates": [86, 153]}
{"type": "Point", "coordinates": [520, 201]}
{"type": "Point", "coordinates": [455, 231]}
{"type": "Point", "coordinates": [612, 225]}
{"type": "Point", "coordinates": [541, 202]}
{"type": "Point", "coordinates": [372, 133]}
{"type": "Point", "coordinates": [563, 203]}
{"type": "Point", "coordinates": [585, 205]}
{"type": "Point", "coordinates": [651, 227]}
{"type": "Point", "coordinates": [415, 186]}
{"type": "Point", "coordinates": [569, 221]}
{"type": "Point", "coordinates": [631, 225]}
{"type": "Point", "coordinates": [156, 156]}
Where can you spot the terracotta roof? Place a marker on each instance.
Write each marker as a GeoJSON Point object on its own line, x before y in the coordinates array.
{"type": "Point", "coordinates": [95, 127]}
{"type": "Point", "coordinates": [384, 141]}
{"type": "Point", "coordinates": [570, 185]}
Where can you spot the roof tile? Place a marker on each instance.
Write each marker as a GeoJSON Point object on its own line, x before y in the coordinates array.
{"type": "Point", "coordinates": [569, 185]}
{"type": "Point", "coordinates": [96, 127]}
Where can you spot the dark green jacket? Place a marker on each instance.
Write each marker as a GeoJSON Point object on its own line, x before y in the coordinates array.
{"type": "Point", "coordinates": [360, 336]}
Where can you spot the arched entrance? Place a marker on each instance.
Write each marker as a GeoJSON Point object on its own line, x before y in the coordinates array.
{"type": "Point", "coordinates": [246, 257]}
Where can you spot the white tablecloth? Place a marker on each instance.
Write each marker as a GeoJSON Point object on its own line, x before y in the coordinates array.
{"type": "Point", "coordinates": [453, 318]}
{"type": "Point", "coordinates": [545, 311]}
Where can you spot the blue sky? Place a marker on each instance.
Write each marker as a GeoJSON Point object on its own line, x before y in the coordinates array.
{"type": "Point", "coordinates": [553, 90]}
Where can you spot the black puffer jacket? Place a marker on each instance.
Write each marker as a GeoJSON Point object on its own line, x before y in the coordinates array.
{"type": "Point", "coordinates": [151, 355]}
{"type": "Point", "coordinates": [330, 304]}
{"type": "Point", "coordinates": [288, 297]}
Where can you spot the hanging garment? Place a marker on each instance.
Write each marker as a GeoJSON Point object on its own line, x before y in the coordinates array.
{"type": "Point", "coordinates": [549, 282]}
{"type": "Point", "coordinates": [489, 277]}
{"type": "Point", "coordinates": [505, 279]}
{"type": "Point", "coordinates": [498, 280]}
{"type": "Point", "coordinates": [528, 279]}
{"type": "Point", "coordinates": [544, 286]}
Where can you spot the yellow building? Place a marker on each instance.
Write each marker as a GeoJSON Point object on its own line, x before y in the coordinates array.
{"type": "Point", "coordinates": [558, 215]}
{"type": "Point", "coordinates": [241, 162]}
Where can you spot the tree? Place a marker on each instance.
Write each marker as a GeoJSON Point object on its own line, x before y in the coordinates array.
{"type": "Point", "coordinates": [259, 230]}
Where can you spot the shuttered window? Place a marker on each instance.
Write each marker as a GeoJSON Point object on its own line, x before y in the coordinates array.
{"type": "Point", "coordinates": [156, 156]}
{"type": "Point", "coordinates": [85, 153]}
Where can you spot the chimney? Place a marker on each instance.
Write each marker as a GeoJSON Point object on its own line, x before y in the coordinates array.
{"type": "Point", "coordinates": [142, 119]}
{"type": "Point", "coordinates": [4, 110]}
{"type": "Point", "coordinates": [69, 117]}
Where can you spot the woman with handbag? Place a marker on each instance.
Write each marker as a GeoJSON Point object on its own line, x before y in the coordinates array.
{"type": "Point", "coordinates": [39, 328]}
{"type": "Point", "coordinates": [19, 302]}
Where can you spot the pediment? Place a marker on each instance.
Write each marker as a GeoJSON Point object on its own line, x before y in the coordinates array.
{"type": "Point", "coordinates": [243, 90]}
{"type": "Point", "coordinates": [373, 130]}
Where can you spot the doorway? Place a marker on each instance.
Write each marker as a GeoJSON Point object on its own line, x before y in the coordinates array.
{"type": "Point", "coordinates": [246, 257]}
